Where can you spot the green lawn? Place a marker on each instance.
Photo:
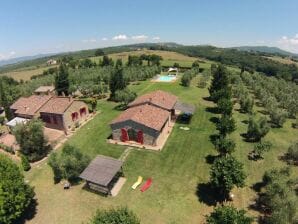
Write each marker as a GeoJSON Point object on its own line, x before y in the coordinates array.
{"type": "Point", "coordinates": [176, 171]}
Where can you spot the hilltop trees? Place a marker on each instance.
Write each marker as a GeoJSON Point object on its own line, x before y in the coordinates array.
{"type": "Point", "coordinates": [15, 194]}
{"type": "Point", "coordinates": [31, 139]}
{"type": "Point", "coordinates": [62, 80]}
{"type": "Point", "coordinates": [228, 215]}
{"type": "Point", "coordinates": [99, 52]}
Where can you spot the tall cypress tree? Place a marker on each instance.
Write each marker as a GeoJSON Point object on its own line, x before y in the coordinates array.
{"type": "Point", "coordinates": [62, 81]}
{"type": "Point", "coordinates": [117, 81]}
{"type": "Point", "coordinates": [220, 84]}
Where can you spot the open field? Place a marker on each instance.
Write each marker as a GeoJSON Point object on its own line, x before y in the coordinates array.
{"type": "Point", "coordinates": [287, 61]}
{"type": "Point", "coordinates": [169, 57]}
{"type": "Point", "coordinates": [26, 73]}
{"type": "Point", "coordinates": [179, 171]}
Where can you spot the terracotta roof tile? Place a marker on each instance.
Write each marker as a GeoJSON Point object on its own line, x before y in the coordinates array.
{"type": "Point", "coordinates": [29, 105]}
{"type": "Point", "coordinates": [57, 105]}
{"type": "Point", "coordinates": [159, 98]}
{"type": "Point", "coordinates": [147, 115]}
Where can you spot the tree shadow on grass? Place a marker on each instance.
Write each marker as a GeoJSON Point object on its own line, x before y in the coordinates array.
{"type": "Point", "coordinates": [29, 213]}
{"type": "Point", "coordinates": [213, 110]}
{"type": "Point", "coordinates": [214, 120]}
{"type": "Point", "coordinates": [213, 138]}
{"type": "Point", "coordinates": [211, 158]}
{"type": "Point", "coordinates": [207, 98]}
{"type": "Point", "coordinates": [208, 195]}
{"type": "Point", "coordinates": [120, 107]}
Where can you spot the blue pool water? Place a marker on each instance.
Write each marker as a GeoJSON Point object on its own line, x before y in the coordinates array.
{"type": "Point", "coordinates": [165, 78]}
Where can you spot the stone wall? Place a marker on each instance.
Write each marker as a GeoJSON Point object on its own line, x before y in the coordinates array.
{"type": "Point", "coordinates": [150, 135]}
{"type": "Point", "coordinates": [75, 107]}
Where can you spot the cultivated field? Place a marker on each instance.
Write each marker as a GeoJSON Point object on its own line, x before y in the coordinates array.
{"type": "Point", "coordinates": [26, 73]}
{"type": "Point", "coordinates": [180, 171]}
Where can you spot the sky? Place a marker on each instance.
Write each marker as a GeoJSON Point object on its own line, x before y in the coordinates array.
{"type": "Point", "coordinates": [33, 26]}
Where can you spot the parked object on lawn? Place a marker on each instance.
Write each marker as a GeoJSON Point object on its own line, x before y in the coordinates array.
{"type": "Point", "coordinates": [137, 183]}
{"type": "Point", "coordinates": [146, 185]}
{"type": "Point", "coordinates": [66, 186]}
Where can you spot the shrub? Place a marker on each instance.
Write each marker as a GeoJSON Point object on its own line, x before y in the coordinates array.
{"type": "Point", "coordinates": [228, 215]}
{"type": "Point", "coordinates": [25, 163]}
{"type": "Point", "coordinates": [292, 154]}
{"type": "Point", "coordinates": [2, 119]}
{"type": "Point", "coordinates": [68, 164]}
{"type": "Point", "coordinates": [225, 146]}
{"type": "Point", "coordinates": [31, 139]}
{"type": "Point", "coordinates": [259, 149]}
{"type": "Point", "coordinates": [256, 130]}
{"type": "Point", "coordinates": [120, 215]}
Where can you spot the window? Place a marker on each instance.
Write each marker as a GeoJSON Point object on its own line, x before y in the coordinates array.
{"type": "Point", "coordinates": [74, 116]}
{"type": "Point", "coordinates": [82, 111]}
{"type": "Point", "coordinates": [46, 118]}
{"type": "Point", "coordinates": [55, 120]}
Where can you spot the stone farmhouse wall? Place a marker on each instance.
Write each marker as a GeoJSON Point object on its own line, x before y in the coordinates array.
{"type": "Point", "coordinates": [75, 107]}
{"type": "Point", "coordinates": [150, 136]}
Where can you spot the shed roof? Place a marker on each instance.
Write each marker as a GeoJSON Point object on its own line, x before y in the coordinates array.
{"type": "Point", "coordinates": [185, 108]}
{"type": "Point", "coordinates": [150, 116]}
{"type": "Point", "coordinates": [159, 98]}
{"type": "Point", "coordinates": [101, 170]}
{"type": "Point", "coordinates": [16, 120]}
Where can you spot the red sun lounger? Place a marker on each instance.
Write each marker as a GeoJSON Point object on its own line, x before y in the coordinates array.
{"type": "Point", "coordinates": [146, 185]}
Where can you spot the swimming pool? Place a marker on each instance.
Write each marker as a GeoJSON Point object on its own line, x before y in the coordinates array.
{"type": "Point", "coordinates": [165, 78]}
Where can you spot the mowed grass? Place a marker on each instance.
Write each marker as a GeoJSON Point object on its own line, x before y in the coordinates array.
{"type": "Point", "coordinates": [177, 170]}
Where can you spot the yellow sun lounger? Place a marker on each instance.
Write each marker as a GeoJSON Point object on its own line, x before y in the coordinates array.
{"type": "Point", "coordinates": [136, 184]}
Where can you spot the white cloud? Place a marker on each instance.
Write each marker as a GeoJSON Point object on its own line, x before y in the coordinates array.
{"type": "Point", "coordinates": [156, 38]}
{"type": "Point", "coordinates": [120, 37]}
{"type": "Point", "coordinates": [104, 39]}
{"type": "Point", "coordinates": [7, 56]}
{"type": "Point", "coordinates": [289, 43]}
{"type": "Point", "coordinates": [92, 40]}
{"type": "Point", "coordinates": [139, 37]}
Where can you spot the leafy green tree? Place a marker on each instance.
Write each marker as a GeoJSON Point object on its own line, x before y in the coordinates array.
{"type": "Point", "coordinates": [260, 148]}
{"type": "Point", "coordinates": [117, 82]}
{"type": "Point", "coordinates": [25, 163]}
{"type": "Point", "coordinates": [225, 106]}
{"type": "Point", "coordinates": [176, 65]}
{"type": "Point", "coordinates": [196, 64]}
{"type": "Point", "coordinates": [225, 146]}
{"type": "Point", "coordinates": [69, 164]}
{"type": "Point", "coordinates": [4, 101]}
{"type": "Point", "coordinates": [93, 104]}
{"type": "Point", "coordinates": [155, 59]}
{"type": "Point", "coordinates": [87, 63]}
{"type": "Point", "coordinates": [134, 60]}
{"type": "Point", "coordinates": [292, 153]}
{"type": "Point", "coordinates": [277, 117]}
{"type": "Point", "coordinates": [15, 194]}
{"type": "Point", "coordinates": [185, 80]}
{"type": "Point", "coordinates": [227, 172]}
{"type": "Point", "coordinates": [125, 96]}
{"type": "Point", "coordinates": [256, 130]}
{"type": "Point", "coordinates": [62, 80]}
{"type": "Point", "coordinates": [228, 215]}
{"type": "Point", "coordinates": [99, 52]}
{"type": "Point", "coordinates": [31, 139]}
{"type": "Point", "coordinates": [226, 125]}
{"type": "Point", "coordinates": [113, 216]}
{"type": "Point", "coordinates": [246, 104]}
{"type": "Point", "coordinates": [278, 197]}
{"type": "Point", "coordinates": [106, 61]}
{"type": "Point", "coordinates": [119, 63]}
